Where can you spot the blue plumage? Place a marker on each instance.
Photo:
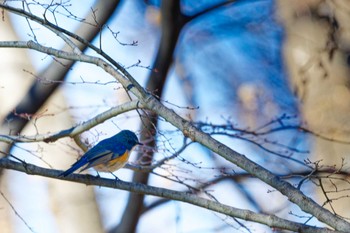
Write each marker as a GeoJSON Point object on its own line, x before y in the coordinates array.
{"type": "Point", "coordinates": [108, 155]}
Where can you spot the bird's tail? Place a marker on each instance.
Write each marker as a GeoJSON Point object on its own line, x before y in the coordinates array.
{"type": "Point", "coordinates": [80, 163]}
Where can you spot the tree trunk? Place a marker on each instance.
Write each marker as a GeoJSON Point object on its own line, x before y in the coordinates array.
{"type": "Point", "coordinates": [315, 55]}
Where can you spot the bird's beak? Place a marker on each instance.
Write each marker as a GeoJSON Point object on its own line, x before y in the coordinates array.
{"type": "Point", "coordinates": [139, 143]}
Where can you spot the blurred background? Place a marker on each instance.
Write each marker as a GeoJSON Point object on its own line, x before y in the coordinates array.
{"type": "Point", "coordinates": [270, 79]}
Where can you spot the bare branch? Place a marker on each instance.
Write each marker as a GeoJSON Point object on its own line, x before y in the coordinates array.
{"type": "Point", "coordinates": [269, 220]}
{"type": "Point", "coordinates": [72, 132]}
{"type": "Point", "coordinates": [294, 195]}
{"type": "Point", "coordinates": [152, 103]}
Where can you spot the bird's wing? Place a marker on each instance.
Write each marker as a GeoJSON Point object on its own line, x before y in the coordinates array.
{"type": "Point", "coordinates": [93, 157]}
{"type": "Point", "coordinates": [78, 164]}
{"type": "Point", "coordinates": [118, 151]}
{"type": "Point", "coordinates": [102, 153]}
{"type": "Point", "coordinates": [98, 155]}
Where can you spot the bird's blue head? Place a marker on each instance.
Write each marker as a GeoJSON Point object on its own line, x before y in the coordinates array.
{"type": "Point", "coordinates": [129, 138]}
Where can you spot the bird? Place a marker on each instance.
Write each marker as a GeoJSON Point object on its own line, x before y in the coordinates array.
{"type": "Point", "coordinates": [108, 155]}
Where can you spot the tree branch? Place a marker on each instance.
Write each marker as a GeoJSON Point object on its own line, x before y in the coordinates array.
{"type": "Point", "coordinates": [72, 132]}
{"type": "Point", "coordinates": [294, 195]}
{"type": "Point", "coordinates": [55, 29]}
{"type": "Point", "coordinates": [153, 104]}
{"type": "Point", "coordinates": [39, 93]}
{"type": "Point", "coordinates": [269, 220]}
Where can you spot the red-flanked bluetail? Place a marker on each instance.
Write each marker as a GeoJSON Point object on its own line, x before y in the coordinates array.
{"type": "Point", "coordinates": [108, 155]}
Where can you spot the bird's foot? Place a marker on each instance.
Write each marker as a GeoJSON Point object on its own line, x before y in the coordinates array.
{"type": "Point", "coordinates": [115, 177]}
